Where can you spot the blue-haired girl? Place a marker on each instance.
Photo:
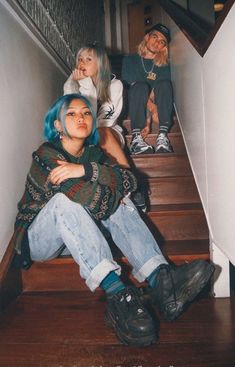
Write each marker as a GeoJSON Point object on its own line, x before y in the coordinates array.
{"type": "Point", "coordinates": [71, 191]}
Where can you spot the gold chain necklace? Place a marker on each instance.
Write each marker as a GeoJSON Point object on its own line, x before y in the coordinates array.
{"type": "Point", "coordinates": [151, 75]}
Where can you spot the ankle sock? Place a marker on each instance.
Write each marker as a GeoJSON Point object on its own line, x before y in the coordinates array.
{"type": "Point", "coordinates": [163, 129]}
{"type": "Point", "coordinates": [135, 132]}
{"type": "Point", "coordinates": [152, 278]}
{"type": "Point", "coordinates": [162, 133]}
{"type": "Point", "coordinates": [112, 283]}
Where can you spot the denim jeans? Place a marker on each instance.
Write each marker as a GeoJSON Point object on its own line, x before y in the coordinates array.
{"type": "Point", "coordinates": [64, 222]}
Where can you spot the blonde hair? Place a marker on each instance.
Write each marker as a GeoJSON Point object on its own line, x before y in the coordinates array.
{"type": "Point", "coordinates": [103, 79]}
{"type": "Point", "coordinates": [161, 58]}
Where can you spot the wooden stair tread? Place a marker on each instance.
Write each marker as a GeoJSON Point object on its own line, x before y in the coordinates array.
{"type": "Point", "coordinates": [175, 207]}
{"type": "Point", "coordinates": [180, 211]}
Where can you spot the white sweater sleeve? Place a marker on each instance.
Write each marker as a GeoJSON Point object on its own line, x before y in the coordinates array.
{"type": "Point", "coordinates": [71, 86]}
{"type": "Point", "coordinates": [109, 111]}
{"type": "Point", "coordinates": [84, 87]}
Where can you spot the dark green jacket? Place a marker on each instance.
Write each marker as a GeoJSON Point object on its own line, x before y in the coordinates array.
{"type": "Point", "coordinates": [133, 70]}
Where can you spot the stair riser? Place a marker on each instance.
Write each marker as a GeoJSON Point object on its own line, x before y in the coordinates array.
{"type": "Point", "coordinates": [53, 277]}
{"type": "Point", "coordinates": [163, 165]}
{"type": "Point", "coordinates": [179, 190]}
{"type": "Point", "coordinates": [187, 226]}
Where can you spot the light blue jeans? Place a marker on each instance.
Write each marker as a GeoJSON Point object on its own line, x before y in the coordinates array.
{"type": "Point", "coordinates": [64, 222]}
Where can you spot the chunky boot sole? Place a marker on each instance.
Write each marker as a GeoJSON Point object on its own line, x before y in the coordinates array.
{"type": "Point", "coordinates": [172, 310]}
{"type": "Point", "coordinates": [125, 339]}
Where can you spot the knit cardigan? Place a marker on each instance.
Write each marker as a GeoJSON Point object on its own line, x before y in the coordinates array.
{"type": "Point", "coordinates": [99, 191]}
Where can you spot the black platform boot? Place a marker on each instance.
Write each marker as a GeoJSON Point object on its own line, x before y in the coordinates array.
{"type": "Point", "coordinates": [177, 286]}
{"type": "Point", "coordinates": [131, 321]}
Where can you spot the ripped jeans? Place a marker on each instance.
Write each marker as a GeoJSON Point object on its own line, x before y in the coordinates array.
{"type": "Point", "coordinates": [64, 222]}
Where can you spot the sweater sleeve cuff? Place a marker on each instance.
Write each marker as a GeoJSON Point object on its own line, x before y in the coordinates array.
{"type": "Point", "coordinates": [88, 171]}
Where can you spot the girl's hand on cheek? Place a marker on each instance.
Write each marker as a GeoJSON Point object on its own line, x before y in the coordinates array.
{"type": "Point", "coordinates": [78, 74]}
{"type": "Point", "coordinates": [65, 171]}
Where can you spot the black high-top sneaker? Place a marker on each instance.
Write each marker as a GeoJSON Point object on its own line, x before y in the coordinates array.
{"type": "Point", "coordinates": [130, 320]}
{"type": "Point", "coordinates": [177, 286]}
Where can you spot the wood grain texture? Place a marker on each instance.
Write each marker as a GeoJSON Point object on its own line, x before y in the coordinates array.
{"type": "Point", "coordinates": [67, 329]}
{"type": "Point", "coordinates": [163, 165]}
{"type": "Point", "coordinates": [172, 190]}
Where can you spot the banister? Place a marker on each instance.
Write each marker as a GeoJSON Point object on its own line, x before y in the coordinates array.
{"type": "Point", "coordinates": [198, 32]}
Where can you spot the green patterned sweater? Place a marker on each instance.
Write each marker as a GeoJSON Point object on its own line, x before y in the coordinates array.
{"type": "Point", "coordinates": [100, 190]}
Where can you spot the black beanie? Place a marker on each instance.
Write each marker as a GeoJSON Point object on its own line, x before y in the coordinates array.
{"type": "Point", "coordinates": [162, 29]}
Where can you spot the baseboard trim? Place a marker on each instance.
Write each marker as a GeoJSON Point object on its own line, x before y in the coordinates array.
{"type": "Point", "coordinates": [10, 278]}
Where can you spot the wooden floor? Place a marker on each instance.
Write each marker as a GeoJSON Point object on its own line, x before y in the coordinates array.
{"type": "Point", "coordinates": [66, 329]}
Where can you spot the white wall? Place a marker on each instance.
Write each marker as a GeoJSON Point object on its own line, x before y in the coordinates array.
{"type": "Point", "coordinates": [219, 85]}
{"type": "Point", "coordinates": [30, 82]}
{"type": "Point", "coordinates": [205, 101]}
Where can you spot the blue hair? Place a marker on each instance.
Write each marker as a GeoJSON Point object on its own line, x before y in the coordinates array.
{"type": "Point", "coordinates": [58, 112]}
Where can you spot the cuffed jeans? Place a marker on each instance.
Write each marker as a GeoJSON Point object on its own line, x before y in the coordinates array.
{"type": "Point", "coordinates": [64, 222]}
{"type": "Point", "coordinates": [163, 97]}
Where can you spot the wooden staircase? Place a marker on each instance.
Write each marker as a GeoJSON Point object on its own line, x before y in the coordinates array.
{"type": "Point", "coordinates": [56, 321]}
{"type": "Point", "coordinates": [175, 217]}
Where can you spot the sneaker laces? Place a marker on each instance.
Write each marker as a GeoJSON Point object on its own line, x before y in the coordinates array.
{"type": "Point", "coordinates": [162, 140]}
{"type": "Point", "coordinates": [169, 271]}
{"type": "Point", "coordinates": [132, 301]}
{"type": "Point", "coordinates": [137, 139]}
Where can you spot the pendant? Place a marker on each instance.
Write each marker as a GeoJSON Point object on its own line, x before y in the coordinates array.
{"type": "Point", "coordinates": [151, 76]}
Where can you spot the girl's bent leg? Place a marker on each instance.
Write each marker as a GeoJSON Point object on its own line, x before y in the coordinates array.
{"type": "Point", "coordinates": [63, 221]}
{"type": "Point", "coordinates": [133, 237]}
